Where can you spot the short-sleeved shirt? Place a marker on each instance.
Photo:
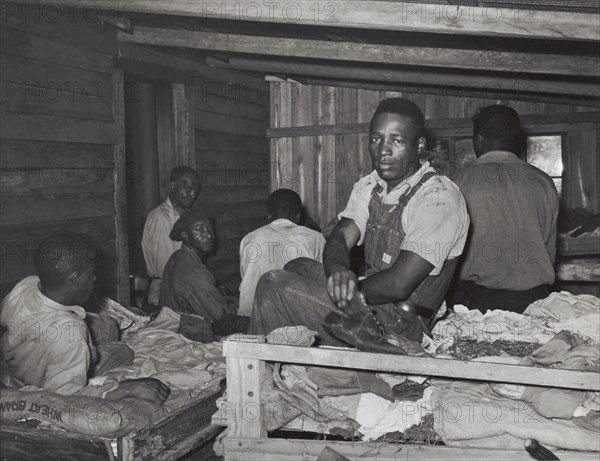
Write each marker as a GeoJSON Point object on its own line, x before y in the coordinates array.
{"type": "Point", "coordinates": [189, 287]}
{"type": "Point", "coordinates": [435, 219]}
{"type": "Point", "coordinates": [271, 247]}
{"type": "Point", "coordinates": [156, 243]}
{"type": "Point", "coordinates": [45, 343]}
{"type": "Point", "coordinates": [514, 208]}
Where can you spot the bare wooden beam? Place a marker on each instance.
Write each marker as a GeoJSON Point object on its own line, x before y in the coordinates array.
{"type": "Point", "coordinates": [440, 18]}
{"type": "Point", "coordinates": [445, 126]}
{"type": "Point", "coordinates": [365, 52]}
{"type": "Point", "coordinates": [132, 56]}
{"type": "Point", "coordinates": [412, 77]}
{"type": "Point", "coordinates": [453, 93]}
{"type": "Point", "coordinates": [579, 246]}
{"type": "Point", "coordinates": [289, 449]}
{"type": "Point", "coordinates": [121, 227]}
{"type": "Point", "coordinates": [579, 272]}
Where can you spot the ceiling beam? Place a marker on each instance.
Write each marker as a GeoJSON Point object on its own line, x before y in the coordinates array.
{"type": "Point", "coordinates": [440, 18]}
{"type": "Point", "coordinates": [401, 77]}
{"type": "Point", "coordinates": [129, 56]}
{"type": "Point", "coordinates": [453, 94]}
{"type": "Point", "coordinates": [364, 52]}
{"type": "Point", "coordinates": [452, 126]}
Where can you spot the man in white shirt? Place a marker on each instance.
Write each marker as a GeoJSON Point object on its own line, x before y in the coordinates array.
{"type": "Point", "coordinates": [413, 223]}
{"type": "Point", "coordinates": [274, 245]}
{"type": "Point", "coordinates": [48, 339]}
{"type": "Point", "coordinates": [157, 246]}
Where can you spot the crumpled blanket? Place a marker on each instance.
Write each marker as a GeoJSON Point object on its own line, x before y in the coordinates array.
{"type": "Point", "coordinates": [562, 351]}
{"type": "Point", "coordinates": [191, 369]}
{"type": "Point", "coordinates": [467, 414]}
{"type": "Point", "coordinates": [377, 416]}
{"type": "Point", "coordinates": [579, 314]}
{"type": "Point", "coordinates": [129, 323]}
{"type": "Point", "coordinates": [491, 326]}
{"type": "Point", "coordinates": [292, 385]}
{"type": "Point", "coordinates": [566, 351]}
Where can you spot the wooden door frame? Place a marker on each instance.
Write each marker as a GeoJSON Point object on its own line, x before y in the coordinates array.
{"type": "Point", "coordinates": [179, 139]}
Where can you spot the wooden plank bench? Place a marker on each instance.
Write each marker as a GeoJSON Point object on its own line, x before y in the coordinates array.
{"type": "Point", "coordinates": [247, 440]}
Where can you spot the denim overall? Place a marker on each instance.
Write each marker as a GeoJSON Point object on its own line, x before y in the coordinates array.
{"type": "Point", "coordinates": [383, 237]}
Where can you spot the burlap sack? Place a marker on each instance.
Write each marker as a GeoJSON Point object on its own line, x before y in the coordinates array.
{"type": "Point", "coordinates": [84, 415]}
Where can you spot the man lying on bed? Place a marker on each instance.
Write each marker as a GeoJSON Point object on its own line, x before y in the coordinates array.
{"type": "Point", "coordinates": [50, 341]}
{"type": "Point", "coordinates": [413, 223]}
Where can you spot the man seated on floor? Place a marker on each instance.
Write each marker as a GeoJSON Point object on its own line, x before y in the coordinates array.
{"type": "Point", "coordinates": [157, 246]}
{"type": "Point", "coordinates": [188, 287]}
{"type": "Point", "coordinates": [272, 246]}
{"type": "Point", "coordinates": [413, 223]}
{"type": "Point", "coordinates": [50, 341]}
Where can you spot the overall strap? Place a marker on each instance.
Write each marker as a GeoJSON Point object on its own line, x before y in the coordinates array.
{"type": "Point", "coordinates": [404, 199]}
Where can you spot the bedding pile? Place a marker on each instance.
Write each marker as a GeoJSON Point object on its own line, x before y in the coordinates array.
{"type": "Point", "coordinates": [561, 331]}
{"type": "Point", "coordinates": [191, 369]}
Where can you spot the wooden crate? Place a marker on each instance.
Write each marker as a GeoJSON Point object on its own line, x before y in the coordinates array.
{"type": "Point", "coordinates": [174, 437]}
{"type": "Point", "coordinates": [247, 440]}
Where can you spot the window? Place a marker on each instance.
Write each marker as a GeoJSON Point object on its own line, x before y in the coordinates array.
{"type": "Point", "coordinates": [545, 152]}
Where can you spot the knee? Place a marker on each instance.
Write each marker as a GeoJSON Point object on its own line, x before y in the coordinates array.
{"type": "Point", "coordinates": [297, 264]}
{"type": "Point", "coordinates": [268, 281]}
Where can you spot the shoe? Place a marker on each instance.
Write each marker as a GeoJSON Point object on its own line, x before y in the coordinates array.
{"type": "Point", "coordinates": [360, 330]}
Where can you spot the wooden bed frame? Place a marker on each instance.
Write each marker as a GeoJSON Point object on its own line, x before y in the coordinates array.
{"type": "Point", "coordinates": [246, 440]}
{"type": "Point", "coordinates": [186, 430]}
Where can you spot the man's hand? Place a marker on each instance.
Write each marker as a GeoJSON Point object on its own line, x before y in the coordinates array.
{"type": "Point", "coordinates": [149, 389]}
{"type": "Point", "coordinates": [342, 287]}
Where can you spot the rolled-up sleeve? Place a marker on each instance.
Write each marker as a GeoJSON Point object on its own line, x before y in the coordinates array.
{"type": "Point", "coordinates": [436, 225]}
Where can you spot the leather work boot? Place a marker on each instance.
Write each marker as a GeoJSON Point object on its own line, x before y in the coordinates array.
{"type": "Point", "coordinates": [360, 330]}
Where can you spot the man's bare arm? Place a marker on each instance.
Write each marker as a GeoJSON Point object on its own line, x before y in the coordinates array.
{"type": "Point", "coordinates": [397, 282]}
{"type": "Point", "coordinates": [150, 389]}
{"type": "Point", "coordinates": [341, 281]}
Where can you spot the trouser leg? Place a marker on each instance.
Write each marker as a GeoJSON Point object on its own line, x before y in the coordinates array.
{"type": "Point", "coordinates": [284, 298]}
{"type": "Point", "coordinates": [110, 356]}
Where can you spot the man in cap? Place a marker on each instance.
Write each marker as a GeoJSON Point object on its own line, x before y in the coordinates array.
{"type": "Point", "coordinates": [156, 245]}
{"type": "Point", "coordinates": [188, 287]}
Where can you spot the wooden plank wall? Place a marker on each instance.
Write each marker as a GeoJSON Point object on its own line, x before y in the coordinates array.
{"type": "Point", "coordinates": [232, 158]}
{"type": "Point", "coordinates": [322, 169]}
{"type": "Point", "coordinates": [57, 138]}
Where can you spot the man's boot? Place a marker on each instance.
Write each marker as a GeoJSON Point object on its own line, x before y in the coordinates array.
{"type": "Point", "coordinates": [359, 328]}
